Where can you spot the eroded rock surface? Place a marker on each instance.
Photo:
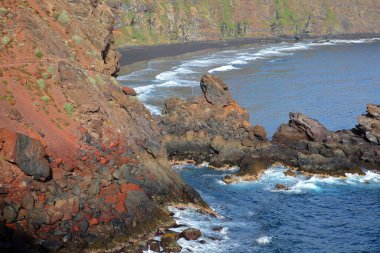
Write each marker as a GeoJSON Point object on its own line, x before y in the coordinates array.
{"type": "Point", "coordinates": [212, 127]}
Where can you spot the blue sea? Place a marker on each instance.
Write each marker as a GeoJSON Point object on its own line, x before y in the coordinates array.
{"type": "Point", "coordinates": [331, 81]}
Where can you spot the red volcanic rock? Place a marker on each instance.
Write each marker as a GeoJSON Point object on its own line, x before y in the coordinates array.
{"type": "Point", "coordinates": [129, 91]}
{"type": "Point", "coordinates": [8, 142]}
{"type": "Point", "coordinates": [120, 202]}
{"type": "Point", "coordinates": [93, 221]}
{"type": "Point", "coordinates": [125, 187]}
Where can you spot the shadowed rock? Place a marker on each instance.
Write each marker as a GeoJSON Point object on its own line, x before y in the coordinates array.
{"type": "Point", "coordinates": [27, 153]}
{"type": "Point", "coordinates": [301, 127]}
{"type": "Point", "coordinates": [369, 124]}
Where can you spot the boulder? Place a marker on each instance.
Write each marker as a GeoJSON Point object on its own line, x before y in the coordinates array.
{"type": "Point", "coordinates": [10, 214]}
{"type": "Point", "coordinates": [290, 173]}
{"type": "Point", "coordinates": [280, 187]}
{"type": "Point", "coordinates": [154, 246]}
{"type": "Point", "coordinates": [169, 243]}
{"type": "Point", "coordinates": [38, 217]}
{"type": "Point", "coordinates": [129, 91]}
{"type": "Point", "coordinates": [191, 234]}
{"type": "Point", "coordinates": [215, 90]}
{"type": "Point", "coordinates": [301, 127]}
{"type": "Point", "coordinates": [29, 154]}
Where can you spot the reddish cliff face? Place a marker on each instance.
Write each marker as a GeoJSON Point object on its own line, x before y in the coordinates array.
{"type": "Point", "coordinates": [163, 21]}
{"type": "Point", "coordinates": [79, 157]}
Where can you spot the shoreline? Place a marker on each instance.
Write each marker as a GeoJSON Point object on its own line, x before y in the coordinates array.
{"type": "Point", "coordinates": [136, 54]}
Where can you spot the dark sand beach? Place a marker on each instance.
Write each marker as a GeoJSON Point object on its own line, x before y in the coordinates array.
{"type": "Point", "coordinates": [135, 54]}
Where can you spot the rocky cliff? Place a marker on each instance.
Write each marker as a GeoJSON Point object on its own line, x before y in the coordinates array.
{"type": "Point", "coordinates": [82, 165]}
{"type": "Point", "coordinates": [164, 21]}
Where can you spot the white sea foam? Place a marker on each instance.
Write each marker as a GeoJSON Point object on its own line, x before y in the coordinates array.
{"type": "Point", "coordinates": [154, 109]}
{"type": "Point", "coordinates": [264, 240]}
{"type": "Point", "coordinates": [223, 68]}
{"type": "Point", "coordinates": [239, 62]}
{"type": "Point", "coordinates": [303, 184]}
{"type": "Point", "coordinates": [213, 241]}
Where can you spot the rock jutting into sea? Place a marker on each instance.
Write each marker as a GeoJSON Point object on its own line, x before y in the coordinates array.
{"type": "Point", "coordinates": [214, 128]}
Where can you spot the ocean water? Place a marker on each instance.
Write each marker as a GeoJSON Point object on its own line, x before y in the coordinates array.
{"type": "Point", "coordinates": [314, 215]}
{"type": "Point", "coordinates": [330, 81]}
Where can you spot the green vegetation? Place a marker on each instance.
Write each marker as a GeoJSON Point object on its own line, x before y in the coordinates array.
{"type": "Point", "coordinates": [92, 81]}
{"type": "Point", "coordinates": [8, 97]}
{"type": "Point", "coordinates": [51, 70]}
{"type": "Point", "coordinates": [63, 18]}
{"type": "Point", "coordinates": [69, 109]}
{"type": "Point", "coordinates": [114, 81]}
{"type": "Point", "coordinates": [78, 40]}
{"type": "Point", "coordinates": [100, 80]}
{"type": "Point", "coordinates": [41, 84]}
{"type": "Point", "coordinates": [38, 53]}
{"type": "Point", "coordinates": [45, 99]}
{"type": "Point", "coordinates": [5, 40]}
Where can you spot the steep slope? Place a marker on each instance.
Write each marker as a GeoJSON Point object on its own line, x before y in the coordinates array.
{"type": "Point", "coordinates": [163, 21]}
{"type": "Point", "coordinates": [80, 160]}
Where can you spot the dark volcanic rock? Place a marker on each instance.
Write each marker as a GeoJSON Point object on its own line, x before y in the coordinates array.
{"type": "Point", "coordinates": [38, 217]}
{"type": "Point", "coordinates": [306, 144]}
{"type": "Point", "coordinates": [191, 234]}
{"type": "Point", "coordinates": [154, 245]}
{"type": "Point", "coordinates": [27, 153]}
{"type": "Point", "coordinates": [301, 127]}
{"type": "Point", "coordinates": [31, 157]}
{"type": "Point", "coordinates": [369, 124]}
{"type": "Point", "coordinates": [169, 243]}
{"type": "Point", "coordinates": [212, 127]}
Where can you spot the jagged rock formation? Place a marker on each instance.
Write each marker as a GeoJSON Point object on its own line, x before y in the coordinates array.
{"type": "Point", "coordinates": [82, 163]}
{"type": "Point", "coordinates": [164, 21]}
{"type": "Point", "coordinates": [215, 129]}
{"type": "Point", "coordinates": [306, 144]}
{"type": "Point", "coordinates": [212, 127]}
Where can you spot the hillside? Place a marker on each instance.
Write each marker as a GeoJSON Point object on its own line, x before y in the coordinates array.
{"type": "Point", "coordinates": [164, 21]}
{"type": "Point", "coordinates": [81, 161]}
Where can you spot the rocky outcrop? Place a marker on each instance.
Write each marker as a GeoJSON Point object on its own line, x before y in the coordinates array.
{"type": "Point", "coordinates": [300, 127]}
{"type": "Point", "coordinates": [215, 129]}
{"type": "Point", "coordinates": [212, 127]}
{"type": "Point", "coordinates": [369, 124]}
{"type": "Point", "coordinates": [306, 144]}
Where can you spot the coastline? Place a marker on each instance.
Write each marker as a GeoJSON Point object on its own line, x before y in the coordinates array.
{"type": "Point", "coordinates": [137, 54]}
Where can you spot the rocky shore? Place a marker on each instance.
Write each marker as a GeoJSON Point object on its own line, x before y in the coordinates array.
{"type": "Point", "coordinates": [214, 128]}
{"type": "Point", "coordinates": [85, 165]}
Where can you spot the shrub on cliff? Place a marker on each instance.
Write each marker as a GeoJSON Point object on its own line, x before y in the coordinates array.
{"type": "Point", "coordinates": [41, 84]}
{"type": "Point", "coordinates": [69, 109]}
{"type": "Point", "coordinates": [63, 18]}
{"type": "Point", "coordinates": [38, 53]}
{"type": "Point", "coordinates": [5, 40]}
{"type": "Point", "coordinates": [78, 40]}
